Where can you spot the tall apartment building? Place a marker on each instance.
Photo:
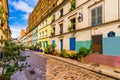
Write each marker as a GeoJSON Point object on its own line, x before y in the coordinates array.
{"type": "Point", "coordinates": [72, 24]}
{"type": "Point", "coordinates": [5, 32]}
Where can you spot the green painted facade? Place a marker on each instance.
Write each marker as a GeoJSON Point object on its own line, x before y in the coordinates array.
{"type": "Point", "coordinates": [80, 44]}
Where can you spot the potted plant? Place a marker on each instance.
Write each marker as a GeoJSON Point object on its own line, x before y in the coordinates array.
{"type": "Point", "coordinates": [2, 20]}
{"type": "Point", "coordinates": [11, 55]}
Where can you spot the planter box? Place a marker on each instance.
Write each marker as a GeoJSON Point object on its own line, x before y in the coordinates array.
{"type": "Point", "coordinates": [39, 50]}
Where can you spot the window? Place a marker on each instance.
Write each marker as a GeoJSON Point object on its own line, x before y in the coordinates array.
{"type": "Point", "coordinates": [61, 12]}
{"type": "Point", "coordinates": [53, 31]}
{"type": "Point", "coordinates": [111, 34]}
{"type": "Point", "coordinates": [45, 32]}
{"type": "Point", "coordinates": [46, 22]}
{"type": "Point", "coordinates": [1, 37]}
{"type": "Point", "coordinates": [42, 34]}
{"type": "Point", "coordinates": [53, 18]}
{"type": "Point", "coordinates": [72, 5]}
{"type": "Point", "coordinates": [72, 24]}
{"type": "Point", "coordinates": [96, 15]}
{"type": "Point", "coordinates": [61, 28]}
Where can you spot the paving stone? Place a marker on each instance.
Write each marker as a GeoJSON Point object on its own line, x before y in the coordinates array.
{"type": "Point", "coordinates": [47, 68]}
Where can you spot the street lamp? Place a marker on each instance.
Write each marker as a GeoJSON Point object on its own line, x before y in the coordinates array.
{"type": "Point", "coordinates": [80, 17]}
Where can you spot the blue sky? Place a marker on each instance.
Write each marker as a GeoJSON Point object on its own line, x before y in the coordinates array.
{"type": "Point", "coordinates": [19, 11]}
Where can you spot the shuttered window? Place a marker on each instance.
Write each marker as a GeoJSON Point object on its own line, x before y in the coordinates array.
{"type": "Point", "coordinates": [96, 16]}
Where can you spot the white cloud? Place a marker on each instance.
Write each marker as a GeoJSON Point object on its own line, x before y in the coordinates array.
{"type": "Point", "coordinates": [16, 29]}
{"type": "Point", "coordinates": [15, 32]}
{"type": "Point", "coordinates": [25, 16]}
{"type": "Point", "coordinates": [31, 2]}
{"type": "Point", "coordinates": [23, 6]}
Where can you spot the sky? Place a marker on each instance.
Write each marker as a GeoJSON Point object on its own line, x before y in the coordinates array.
{"type": "Point", "coordinates": [19, 11]}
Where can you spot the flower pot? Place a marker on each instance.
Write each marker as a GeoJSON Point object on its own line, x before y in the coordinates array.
{"type": "Point", "coordinates": [39, 50]}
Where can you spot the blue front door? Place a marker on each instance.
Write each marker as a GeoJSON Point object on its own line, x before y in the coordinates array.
{"type": "Point", "coordinates": [72, 43]}
{"type": "Point", "coordinates": [53, 41]}
{"type": "Point", "coordinates": [61, 45]}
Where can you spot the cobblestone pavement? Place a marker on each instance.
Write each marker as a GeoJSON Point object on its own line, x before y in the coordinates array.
{"type": "Point", "coordinates": [46, 68]}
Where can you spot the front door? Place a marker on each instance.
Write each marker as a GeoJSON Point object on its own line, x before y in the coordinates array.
{"type": "Point", "coordinates": [97, 44]}
{"type": "Point", "coordinates": [72, 43]}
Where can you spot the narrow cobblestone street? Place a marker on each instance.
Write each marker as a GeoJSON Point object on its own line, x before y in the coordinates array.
{"type": "Point", "coordinates": [46, 68]}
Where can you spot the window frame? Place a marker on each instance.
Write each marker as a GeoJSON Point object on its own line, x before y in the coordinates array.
{"type": "Point", "coordinates": [96, 16]}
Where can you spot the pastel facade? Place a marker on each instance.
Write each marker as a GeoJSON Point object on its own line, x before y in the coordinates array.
{"type": "Point", "coordinates": [92, 22]}
{"type": "Point", "coordinates": [40, 18]}
{"type": "Point", "coordinates": [72, 24]}
{"type": "Point", "coordinates": [44, 32]}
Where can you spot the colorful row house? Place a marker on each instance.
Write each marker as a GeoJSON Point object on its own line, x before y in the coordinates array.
{"type": "Point", "coordinates": [87, 23]}
{"type": "Point", "coordinates": [44, 32]}
{"type": "Point", "coordinates": [80, 23]}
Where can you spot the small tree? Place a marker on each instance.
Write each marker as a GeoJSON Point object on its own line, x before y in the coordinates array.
{"type": "Point", "coordinates": [50, 49]}
{"type": "Point", "coordinates": [1, 16]}
{"type": "Point", "coordinates": [11, 55]}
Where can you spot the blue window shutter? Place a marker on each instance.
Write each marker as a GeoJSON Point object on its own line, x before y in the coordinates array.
{"type": "Point", "coordinates": [72, 43]}
{"type": "Point", "coordinates": [53, 41]}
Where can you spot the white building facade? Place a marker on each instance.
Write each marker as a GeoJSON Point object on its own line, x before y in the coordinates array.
{"type": "Point", "coordinates": [82, 23]}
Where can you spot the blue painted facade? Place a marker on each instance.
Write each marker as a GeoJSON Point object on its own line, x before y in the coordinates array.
{"type": "Point", "coordinates": [85, 44]}
{"type": "Point", "coordinates": [111, 46]}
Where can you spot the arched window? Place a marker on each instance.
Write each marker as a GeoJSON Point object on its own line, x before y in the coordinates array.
{"type": "Point", "coordinates": [111, 34]}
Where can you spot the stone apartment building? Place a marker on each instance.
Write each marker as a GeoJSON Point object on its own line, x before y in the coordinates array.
{"type": "Point", "coordinates": [5, 32]}
{"type": "Point", "coordinates": [72, 24]}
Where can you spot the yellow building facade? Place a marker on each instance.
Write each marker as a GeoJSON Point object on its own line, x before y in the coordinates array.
{"type": "Point", "coordinates": [44, 32]}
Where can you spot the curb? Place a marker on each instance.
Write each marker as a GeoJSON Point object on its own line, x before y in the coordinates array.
{"type": "Point", "coordinates": [103, 70]}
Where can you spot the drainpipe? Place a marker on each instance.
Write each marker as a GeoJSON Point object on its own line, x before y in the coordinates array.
{"type": "Point", "coordinates": [118, 9]}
